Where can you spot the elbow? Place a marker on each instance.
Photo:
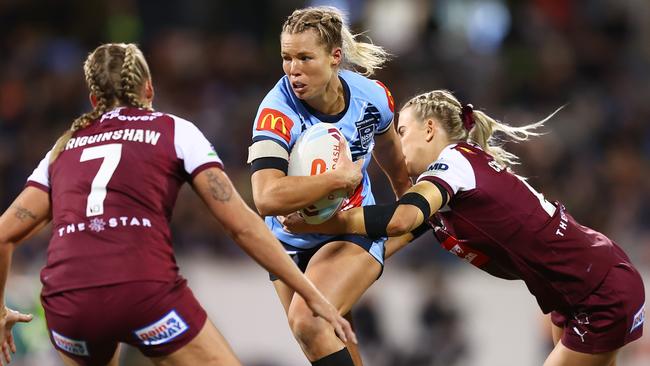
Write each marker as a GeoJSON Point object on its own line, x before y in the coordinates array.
{"type": "Point", "coordinates": [398, 226]}
{"type": "Point", "coordinates": [266, 207]}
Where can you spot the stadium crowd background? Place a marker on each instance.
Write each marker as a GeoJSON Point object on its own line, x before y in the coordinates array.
{"type": "Point", "coordinates": [213, 61]}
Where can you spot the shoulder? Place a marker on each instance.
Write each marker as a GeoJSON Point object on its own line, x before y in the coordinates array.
{"type": "Point", "coordinates": [453, 168]}
{"type": "Point", "coordinates": [277, 115]}
{"type": "Point", "coordinates": [182, 126]}
{"type": "Point", "coordinates": [373, 91]}
{"type": "Point", "coordinates": [280, 97]}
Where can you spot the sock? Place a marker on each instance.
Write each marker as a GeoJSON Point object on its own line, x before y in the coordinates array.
{"type": "Point", "coordinates": [340, 358]}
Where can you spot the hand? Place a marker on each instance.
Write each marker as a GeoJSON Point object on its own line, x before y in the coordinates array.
{"type": "Point", "coordinates": [349, 172]}
{"type": "Point", "coordinates": [323, 308]}
{"type": "Point", "coordinates": [296, 224]}
{"type": "Point", "coordinates": [7, 321]}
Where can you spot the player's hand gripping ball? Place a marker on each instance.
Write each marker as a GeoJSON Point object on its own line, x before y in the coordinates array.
{"type": "Point", "coordinates": [317, 151]}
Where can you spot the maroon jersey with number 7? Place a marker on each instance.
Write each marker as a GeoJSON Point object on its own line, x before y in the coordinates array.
{"type": "Point", "coordinates": [112, 190]}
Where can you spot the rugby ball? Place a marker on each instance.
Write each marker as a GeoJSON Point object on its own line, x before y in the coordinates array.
{"type": "Point", "coordinates": [317, 151]}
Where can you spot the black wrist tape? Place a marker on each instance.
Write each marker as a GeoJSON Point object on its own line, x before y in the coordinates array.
{"type": "Point", "coordinates": [418, 201]}
{"type": "Point", "coordinates": [376, 219]}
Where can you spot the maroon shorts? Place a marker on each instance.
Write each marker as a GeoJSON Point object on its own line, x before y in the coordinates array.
{"type": "Point", "coordinates": [156, 317]}
{"type": "Point", "coordinates": [609, 318]}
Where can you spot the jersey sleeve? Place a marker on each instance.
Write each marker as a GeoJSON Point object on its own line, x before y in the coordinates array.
{"type": "Point", "coordinates": [452, 171]}
{"type": "Point", "coordinates": [275, 129]}
{"type": "Point", "coordinates": [386, 106]}
{"type": "Point", "coordinates": [193, 149]}
{"type": "Point", "coordinates": [40, 178]}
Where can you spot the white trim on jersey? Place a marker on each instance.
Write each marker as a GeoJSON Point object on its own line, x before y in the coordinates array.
{"type": "Point", "coordinates": [191, 145]}
{"type": "Point", "coordinates": [452, 168]}
{"type": "Point", "coordinates": [41, 174]}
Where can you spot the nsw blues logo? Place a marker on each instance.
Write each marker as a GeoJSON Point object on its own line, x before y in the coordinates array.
{"type": "Point", "coordinates": [164, 330]}
{"type": "Point", "coordinates": [365, 132]}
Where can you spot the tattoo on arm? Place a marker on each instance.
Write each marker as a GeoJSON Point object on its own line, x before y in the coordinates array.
{"type": "Point", "coordinates": [22, 213]}
{"type": "Point", "coordinates": [220, 189]}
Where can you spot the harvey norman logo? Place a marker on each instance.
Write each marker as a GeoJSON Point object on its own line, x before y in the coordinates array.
{"type": "Point", "coordinates": [162, 331]}
{"type": "Point", "coordinates": [72, 346]}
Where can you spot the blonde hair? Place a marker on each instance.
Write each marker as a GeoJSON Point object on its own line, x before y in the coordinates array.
{"type": "Point", "coordinates": [115, 74]}
{"type": "Point", "coordinates": [329, 24]}
{"type": "Point", "coordinates": [442, 105]}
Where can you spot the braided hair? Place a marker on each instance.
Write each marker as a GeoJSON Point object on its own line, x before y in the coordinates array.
{"type": "Point", "coordinates": [464, 123]}
{"type": "Point", "coordinates": [115, 75]}
{"type": "Point", "coordinates": [329, 24]}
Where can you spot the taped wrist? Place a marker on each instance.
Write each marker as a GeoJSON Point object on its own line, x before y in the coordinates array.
{"type": "Point", "coordinates": [418, 201]}
{"type": "Point", "coordinates": [377, 217]}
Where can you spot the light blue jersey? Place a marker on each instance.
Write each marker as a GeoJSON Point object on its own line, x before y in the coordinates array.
{"type": "Point", "coordinates": [282, 117]}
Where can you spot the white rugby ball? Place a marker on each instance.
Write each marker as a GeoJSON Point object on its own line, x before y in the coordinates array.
{"type": "Point", "coordinates": [317, 151]}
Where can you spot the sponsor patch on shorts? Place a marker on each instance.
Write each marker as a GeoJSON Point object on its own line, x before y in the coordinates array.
{"type": "Point", "coordinates": [164, 330]}
{"type": "Point", "coordinates": [71, 346]}
{"type": "Point", "coordinates": [639, 318]}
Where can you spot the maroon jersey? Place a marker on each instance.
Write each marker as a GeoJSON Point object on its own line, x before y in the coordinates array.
{"type": "Point", "coordinates": [112, 190]}
{"type": "Point", "coordinates": [499, 223]}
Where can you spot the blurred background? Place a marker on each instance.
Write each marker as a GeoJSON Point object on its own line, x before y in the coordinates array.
{"type": "Point", "coordinates": [213, 62]}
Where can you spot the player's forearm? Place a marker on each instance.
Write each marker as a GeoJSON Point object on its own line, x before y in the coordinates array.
{"type": "Point", "coordinates": [391, 161]}
{"type": "Point", "coordinates": [290, 193]}
{"type": "Point", "coordinates": [6, 251]}
{"type": "Point", "coordinates": [266, 250]}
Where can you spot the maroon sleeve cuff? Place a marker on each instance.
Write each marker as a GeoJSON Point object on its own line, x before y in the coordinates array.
{"type": "Point", "coordinates": [440, 182]}
{"type": "Point", "coordinates": [42, 187]}
{"type": "Point", "coordinates": [200, 168]}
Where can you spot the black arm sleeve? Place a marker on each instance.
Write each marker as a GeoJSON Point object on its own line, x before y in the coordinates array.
{"type": "Point", "coordinates": [270, 162]}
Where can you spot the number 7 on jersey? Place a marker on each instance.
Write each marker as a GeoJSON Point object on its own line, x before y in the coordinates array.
{"type": "Point", "coordinates": [111, 155]}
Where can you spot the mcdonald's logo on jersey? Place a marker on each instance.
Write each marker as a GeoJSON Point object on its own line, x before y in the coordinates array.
{"type": "Point", "coordinates": [389, 95]}
{"type": "Point", "coordinates": [276, 122]}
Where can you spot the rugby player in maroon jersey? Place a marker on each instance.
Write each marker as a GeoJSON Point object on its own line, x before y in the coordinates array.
{"type": "Point", "coordinates": [495, 220]}
{"type": "Point", "coordinates": [109, 186]}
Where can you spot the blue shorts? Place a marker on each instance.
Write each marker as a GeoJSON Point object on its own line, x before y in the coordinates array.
{"type": "Point", "coordinates": [302, 256]}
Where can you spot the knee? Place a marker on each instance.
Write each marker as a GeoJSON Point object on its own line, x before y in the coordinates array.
{"type": "Point", "coordinates": [306, 327]}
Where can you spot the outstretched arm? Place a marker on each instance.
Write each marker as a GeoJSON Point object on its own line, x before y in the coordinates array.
{"type": "Point", "coordinates": [251, 234]}
{"type": "Point", "coordinates": [388, 154]}
{"type": "Point", "coordinates": [395, 219]}
{"type": "Point", "coordinates": [29, 213]}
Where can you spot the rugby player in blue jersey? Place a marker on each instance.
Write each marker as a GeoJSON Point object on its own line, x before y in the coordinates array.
{"type": "Point", "coordinates": [325, 80]}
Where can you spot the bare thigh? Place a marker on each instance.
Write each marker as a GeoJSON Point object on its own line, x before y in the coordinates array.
{"type": "Point", "coordinates": [562, 356]}
{"type": "Point", "coordinates": [342, 271]}
{"type": "Point", "coordinates": [208, 348]}
{"type": "Point", "coordinates": [556, 332]}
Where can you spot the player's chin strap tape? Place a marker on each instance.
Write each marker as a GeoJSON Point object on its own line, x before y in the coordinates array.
{"type": "Point", "coordinates": [377, 217]}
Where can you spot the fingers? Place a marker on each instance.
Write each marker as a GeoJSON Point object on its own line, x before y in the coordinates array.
{"type": "Point", "coordinates": [282, 219]}
{"type": "Point", "coordinates": [24, 318]}
{"type": "Point", "coordinates": [347, 331]}
{"type": "Point", "coordinates": [5, 352]}
{"type": "Point", "coordinates": [12, 344]}
{"type": "Point", "coordinates": [338, 329]}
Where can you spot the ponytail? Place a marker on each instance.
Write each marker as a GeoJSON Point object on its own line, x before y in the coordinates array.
{"type": "Point", "coordinates": [329, 24]}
